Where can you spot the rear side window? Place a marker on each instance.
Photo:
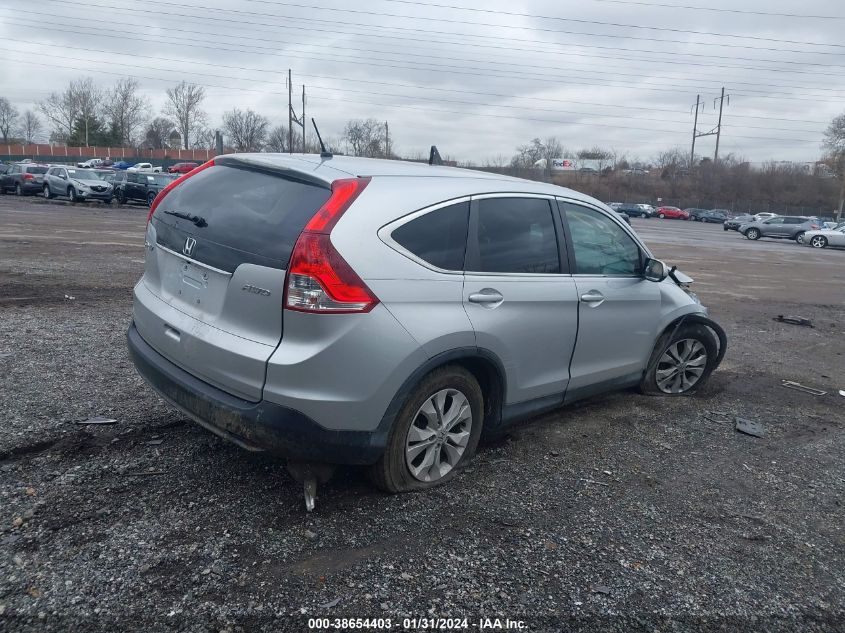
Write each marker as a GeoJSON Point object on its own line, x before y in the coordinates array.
{"type": "Point", "coordinates": [515, 235]}
{"type": "Point", "coordinates": [237, 216]}
{"type": "Point", "coordinates": [438, 237]}
{"type": "Point", "coordinates": [36, 170]}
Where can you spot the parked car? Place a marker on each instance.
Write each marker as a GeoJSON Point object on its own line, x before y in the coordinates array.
{"type": "Point", "coordinates": [788, 227]}
{"type": "Point", "coordinates": [624, 216]}
{"type": "Point", "coordinates": [77, 184]}
{"type": "Point", "coordinates": [633, 210]}
{"type": "Point", "coordinates": [733, 224]}
{"type": "Point", "coordinates": [765, 216]}
{"type": "Point", "coordinates": [133, 186]}
{"type": "Point", "coordinates": [823, 238]}
{"type": "Point", "coordinates": [673, 213]}
{"type": "Point", "coordinates": [93, 162]}
{"type": "Point", "coordinates": [105, 174]}
{"type": "Point", "coordinates": [182, 168]}
{"type": "Point", "coordinates": [694, 213]}
{"type": "Point", "coordinates": [23, 179]}
{"type": "Point", "coordinates": [122, 165]}
{"type": "Point", "coordinates": [647, 208]}
{"type": "Point", "coordinates": [469, 285]}
{"type": "Point", "coordinates": [712, 216]}
{"type": "Point", "coordinates": [145, 167]}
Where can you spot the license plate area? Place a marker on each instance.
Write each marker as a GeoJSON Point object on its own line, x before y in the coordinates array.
{"type": "Point", "coordinates": [193, 283]}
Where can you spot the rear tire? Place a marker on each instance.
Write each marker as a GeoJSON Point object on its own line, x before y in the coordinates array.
{"type": "Point", "coordinates": [18, 190]}
{"type": "Point", "coordinates": [451, 386]}
{"type": "Point", "coordinates": [799, 238]}
{"type": "Point", "coordinates": [47, 193]}
{"type": "Point", "coordinates": [666, 377]}
{"type": "Point", "coordinates": [121, 197]}
{"type": "Point", "coordinates": [71, 193]}
{"type": "Point", "coordinates": [752, 234]}
{"type": "Point", "coordinates": [661, 216]}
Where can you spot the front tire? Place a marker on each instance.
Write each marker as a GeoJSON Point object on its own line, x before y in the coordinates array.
{"type": "Point", "coordinates": [71, 193]}
{"type": "Point", "coordinates": [435, 432]}
{"type": "Point", "coordinates": [799, 238]}
{"type": "Point", "coordinates": [661, 216]}
{"type": "Point", "coordinates": [681, 362]}
{"type": "Point", "coordinates": [818, 241]}
{"type": "Point", "coordinates": [47, 193]}
{"type": "Point", "coordinates": [752, 234]}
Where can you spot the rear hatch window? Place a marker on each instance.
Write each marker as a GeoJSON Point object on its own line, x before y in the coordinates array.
{"type": "Point", "coordinates": [237, 216]}
{"type": "Point", "coordinates": [36, 170]}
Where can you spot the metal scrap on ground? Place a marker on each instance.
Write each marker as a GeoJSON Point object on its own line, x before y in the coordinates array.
{"type": "Point", "coordinates": [797, 386]}
{"type": "Point", "coordinates": [794, 320]}
{"type": "Point", "coordinates": [749, 427]}
{"type": "Point", "coordinates": [97, 420]}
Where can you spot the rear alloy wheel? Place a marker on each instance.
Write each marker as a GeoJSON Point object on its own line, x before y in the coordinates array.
{"type": "Point", "coordinates": [800, 237]}
{"type": "Point", "coordinates": [71, 193]}
{"type": "Point", "coordinates": [682, 363]}
{"type": "Point", "coordinates": [47, 193]}
{"type": "Point", "coordinates": [18, 190]}
{"type": "Point", "coordinates": [661, 216]}
{"type": "Point", "coordinates": [434, 434]}
{"type": "Point", "coordinates": [818, 241]}
{"type": "Point", "coordinates": [753, 234]}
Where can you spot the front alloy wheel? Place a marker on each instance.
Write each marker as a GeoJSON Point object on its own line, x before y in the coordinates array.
{"type": "Point", "coordinates": [753, 234]}
{"type": "Point", "coordinates": [818, 241]}
{"type": "Point", "coordinates": [438, 436]}
{"type": "Point", "coordinates": [681, 366]}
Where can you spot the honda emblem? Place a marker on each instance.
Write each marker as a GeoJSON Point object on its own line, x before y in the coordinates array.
{"type": "Point", "coordinates": [188, 249]}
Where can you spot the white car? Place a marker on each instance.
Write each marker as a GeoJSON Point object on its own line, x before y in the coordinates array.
{"type": "Point", "coordinates": [764, 216]}
{"type": "Point", "coordinates": [145, 167]}
{"type": "Point", "coordinates": [647, 208]}
{"type": "Point", "coordinates": [826, 237]}
{"type": "Point", "coordinates": [94, 162]}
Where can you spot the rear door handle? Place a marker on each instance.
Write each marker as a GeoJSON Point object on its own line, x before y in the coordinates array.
{"type": "Point", "coordinates": [487, 297]}
{"type": "Point", "coordinates": [593, 296]}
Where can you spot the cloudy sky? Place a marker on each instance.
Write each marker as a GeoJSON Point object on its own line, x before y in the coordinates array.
{"type": "Point", "coordinates": [476, 79]}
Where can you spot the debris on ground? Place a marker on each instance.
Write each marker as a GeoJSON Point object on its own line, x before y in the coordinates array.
{"type": "Point", "coordinates": [69, 297]}
{"type": "Point", "coordinates": [842, 392]}
{"type": "Point", "coordinates": [593, 481]}
{"type": "Point", "coordinates": [797, 386]}
{"type": "Point", "coordinates": [794, 320]}
{"type": "Point", "coordinates": [749, 427]}
{"type": "Point", "coordinates": [603, 589]}
{"type": "Point", "coordinates": [330, 604]}
{"type": "Point", "coordinates": [311, 536]}
{"type": "Point", "coordinates": [5, 354]}
{"type": "Point", "coordinates": [97, 420]}
{"type": "Point", "coordinates": [153, 442]}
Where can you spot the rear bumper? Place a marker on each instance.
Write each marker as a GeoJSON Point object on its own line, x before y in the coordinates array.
{"type": "Point", "coordinates": [256, 426]}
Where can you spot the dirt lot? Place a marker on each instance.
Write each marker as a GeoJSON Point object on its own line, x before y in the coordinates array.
{"type": "Point", "coordinates": [622, 513]}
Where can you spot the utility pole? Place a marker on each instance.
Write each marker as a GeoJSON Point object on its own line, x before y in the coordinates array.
{"type": "Point", "coordinates": [694, 133]}
{"type": "Point", "coordinates": [387, 139]}
{"type": "Point", "coordinates": [290, 114]}
{"type": "Point", "coordinates": [303, 118]}
{"type": "Point", "coordinates": [719, 125]}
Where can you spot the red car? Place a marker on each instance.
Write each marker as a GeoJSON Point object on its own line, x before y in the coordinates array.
{"type": "Point", "coordinates": [673, 213]}
{"type": "Point", "coordinates": [182, 168]}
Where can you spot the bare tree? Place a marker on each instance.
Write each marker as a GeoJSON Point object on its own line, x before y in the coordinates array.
{"type": "Point", "coordinates": [30, 126]}
{"type": "Point", "coordinates": [247, 130]}
{"type": "Point", "coordinates": [88, 98]}
{"type": "Point", "coordinates": [365, 137]}
{"type": "Point", "coordinates": [157, 133]}
{"type": "Point", "coordinates": [527, 155]}
{"type": "Point", "coordinates": [277, 139]}
{"type": "Point", "coordinates": [8, 116]}
{"type": "Point", "coordinates": [126, 110]}
{"type": "Point", "coordinates": [205, 138]}
{"type": "Point", "coordinates": [185, 108]}
{"type": "Point", "coordinates": [61, 110]}
{"type": "Point", "coordinates": [834, 143]}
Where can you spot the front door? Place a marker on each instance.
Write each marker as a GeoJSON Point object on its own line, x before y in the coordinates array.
{"type": "Point", "coordinates": [518, 295]}
{"type": "Point", "coordinates": [618, 311]}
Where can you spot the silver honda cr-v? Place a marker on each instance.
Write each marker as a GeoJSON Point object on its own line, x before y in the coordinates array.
{"type": "Point", "coordinates": [339, 310]}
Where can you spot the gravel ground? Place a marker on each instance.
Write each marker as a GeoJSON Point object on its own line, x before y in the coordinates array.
{"type": "Point", "coordinates": [622, 513]}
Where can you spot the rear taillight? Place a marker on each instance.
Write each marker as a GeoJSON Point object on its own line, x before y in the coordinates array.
{"type": "Point", "coordinates": [173, 185]}
{"type": "Point", "coordinates": [814, 226]}
{"type": "Point", "coordinates": [319, 279]}
{"type": "Point", "coordinates": [28, 177]}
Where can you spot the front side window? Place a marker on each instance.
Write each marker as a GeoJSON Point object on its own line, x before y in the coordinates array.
{"type": "Point", "coordinates": [775, 221]}
{"type": "Point", "coordinates": [601, 246]}
{"type": "Point", "coordinates": [516, 235]}
{"type": "Point", "coordinates": [438, 237]}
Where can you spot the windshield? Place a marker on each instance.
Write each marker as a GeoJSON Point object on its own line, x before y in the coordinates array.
{"type": "Point", "coordinates": [83, 174]}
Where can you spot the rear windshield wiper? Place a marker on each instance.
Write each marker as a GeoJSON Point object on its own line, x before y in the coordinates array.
{"type": "Point", "coordinates": [196, 219]}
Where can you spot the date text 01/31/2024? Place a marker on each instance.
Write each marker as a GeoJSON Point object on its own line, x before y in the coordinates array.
{"type": "Point", "coordinates": [414, 624]}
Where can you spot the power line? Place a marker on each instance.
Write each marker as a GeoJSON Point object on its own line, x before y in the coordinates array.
{"type": "Point", "coordinates": [415, 107]}
{"type": "Point", "coordinates": [452, 21]}
{"type": "Point", "coordinates": [719, 10]}
{"type": "Point", "coordinates": [521, 15]}
{"type": "Point", "coordinates": [469, 70]}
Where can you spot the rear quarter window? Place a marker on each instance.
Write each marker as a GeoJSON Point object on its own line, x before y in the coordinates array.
{"type": "Point", "coordinates": [438, 237]}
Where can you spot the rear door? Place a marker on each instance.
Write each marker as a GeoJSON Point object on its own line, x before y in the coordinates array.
{"type": "Point", "coordinates": [211, 296]}
{"type": "Point", "coordinates": [618, 309]}
{"type": "Point", "coordinates": [773, 227]}
{"type": "Point", "coordinates": [518, 294]}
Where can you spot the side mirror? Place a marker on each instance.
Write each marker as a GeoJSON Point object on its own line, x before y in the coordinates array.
{"type": "Point", "coordinates": [655, 270]}
{"type": "Point", "coordinates": [63, 177]}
